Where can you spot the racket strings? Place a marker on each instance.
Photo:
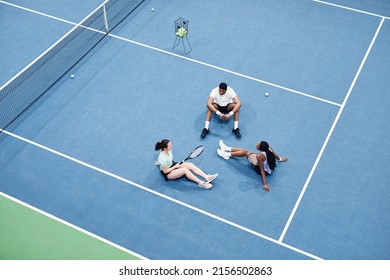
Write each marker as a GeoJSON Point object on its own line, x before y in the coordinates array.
{"type": "Point", "coordinates": [196, 152]}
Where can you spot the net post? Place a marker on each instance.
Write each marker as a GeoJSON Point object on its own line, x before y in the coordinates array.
{"type": "Point", "coordinates": [105, 17]}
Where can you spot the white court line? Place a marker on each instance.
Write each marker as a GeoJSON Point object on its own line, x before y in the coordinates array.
{"type": "Point", "coordinates": [160, 195]}
{"type": "Point", "coordinates": [169, 53]}
{"type": "Point", "coordinates": [72, 226]}
{"type": "Point", "coordinates": [330, 133]}
{"type": "Point", "coordinates": [351, 9]}
{"type": "Point", "coordinates": [57, 18]}
{"type": "Point", "coordinates": [226, 70]}
{"type": "Point", "coordinates": [36, 12]}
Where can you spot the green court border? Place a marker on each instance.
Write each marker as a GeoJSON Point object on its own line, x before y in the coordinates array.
{"type": "Point", "coordinates": [26, 234]}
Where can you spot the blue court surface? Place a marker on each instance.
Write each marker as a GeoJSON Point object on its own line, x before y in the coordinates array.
{"type": "Point", "coordinates": [84, 152]}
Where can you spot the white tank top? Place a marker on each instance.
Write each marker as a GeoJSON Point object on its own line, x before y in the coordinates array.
{"type": "Point", "coordinates": [265, 163]}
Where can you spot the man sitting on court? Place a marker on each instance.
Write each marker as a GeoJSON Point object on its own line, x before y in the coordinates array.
{"type": "Point", "coordinates": [224, 102]}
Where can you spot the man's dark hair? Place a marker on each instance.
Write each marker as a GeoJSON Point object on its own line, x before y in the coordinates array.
{"type": "Point", "coordinates": [223, 86]}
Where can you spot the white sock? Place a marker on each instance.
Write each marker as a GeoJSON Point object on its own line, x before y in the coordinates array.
{"type": "Point", "coordinates": [235, 124]}
{"type": "Point", "coordinates": [206, 125]}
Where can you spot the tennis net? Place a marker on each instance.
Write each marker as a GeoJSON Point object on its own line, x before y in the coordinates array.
{"type": "Point", "coordinates": [19, 93]}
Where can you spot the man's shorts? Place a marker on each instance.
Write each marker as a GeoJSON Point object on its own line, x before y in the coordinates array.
{"type": "Point", "coordinates": [223, 109]}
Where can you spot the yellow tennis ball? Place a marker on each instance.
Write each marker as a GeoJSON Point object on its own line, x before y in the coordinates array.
{"type": "Point", "coordinates": [181, 32]}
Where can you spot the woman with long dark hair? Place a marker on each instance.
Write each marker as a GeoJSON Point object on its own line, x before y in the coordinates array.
{"type": "Point", "coordinates": [263, 163]}
{"type": "Point", "coordinates": [172, 170]}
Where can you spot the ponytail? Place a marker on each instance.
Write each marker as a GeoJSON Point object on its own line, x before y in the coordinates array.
{"type": "Point", "coordinates": [161, 145]}
{"type": "Point", "coordinates": [270, 155]}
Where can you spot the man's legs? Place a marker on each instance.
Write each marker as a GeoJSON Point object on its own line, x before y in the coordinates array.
{"type": "Point", "coordinates": [205, 130]}
{"type": "Point", "coordinates": [230, 107]}
{"type": "Point", "coordinates": [235, 130]}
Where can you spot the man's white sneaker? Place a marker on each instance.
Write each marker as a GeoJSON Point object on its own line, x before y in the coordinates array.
{"type": "Point", "coordinates": [223, 154]}
{"type": "Point", "coordinates": [205, 185]}
{"type": "Point", "coordinates": [211, 177]}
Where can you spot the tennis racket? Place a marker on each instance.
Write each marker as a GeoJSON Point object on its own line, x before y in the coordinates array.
{"type": "Point", "coordinates": [195, 153]}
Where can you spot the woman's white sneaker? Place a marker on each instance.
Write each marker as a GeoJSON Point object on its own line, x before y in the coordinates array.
{"type": "Point", "coordinates": [205, 185]}
{"type": "Point", "coordinates": [211, 177]}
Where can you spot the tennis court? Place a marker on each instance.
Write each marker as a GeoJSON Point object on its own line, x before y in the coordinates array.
{"type": "Point", "coordinates": [77, 173]}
